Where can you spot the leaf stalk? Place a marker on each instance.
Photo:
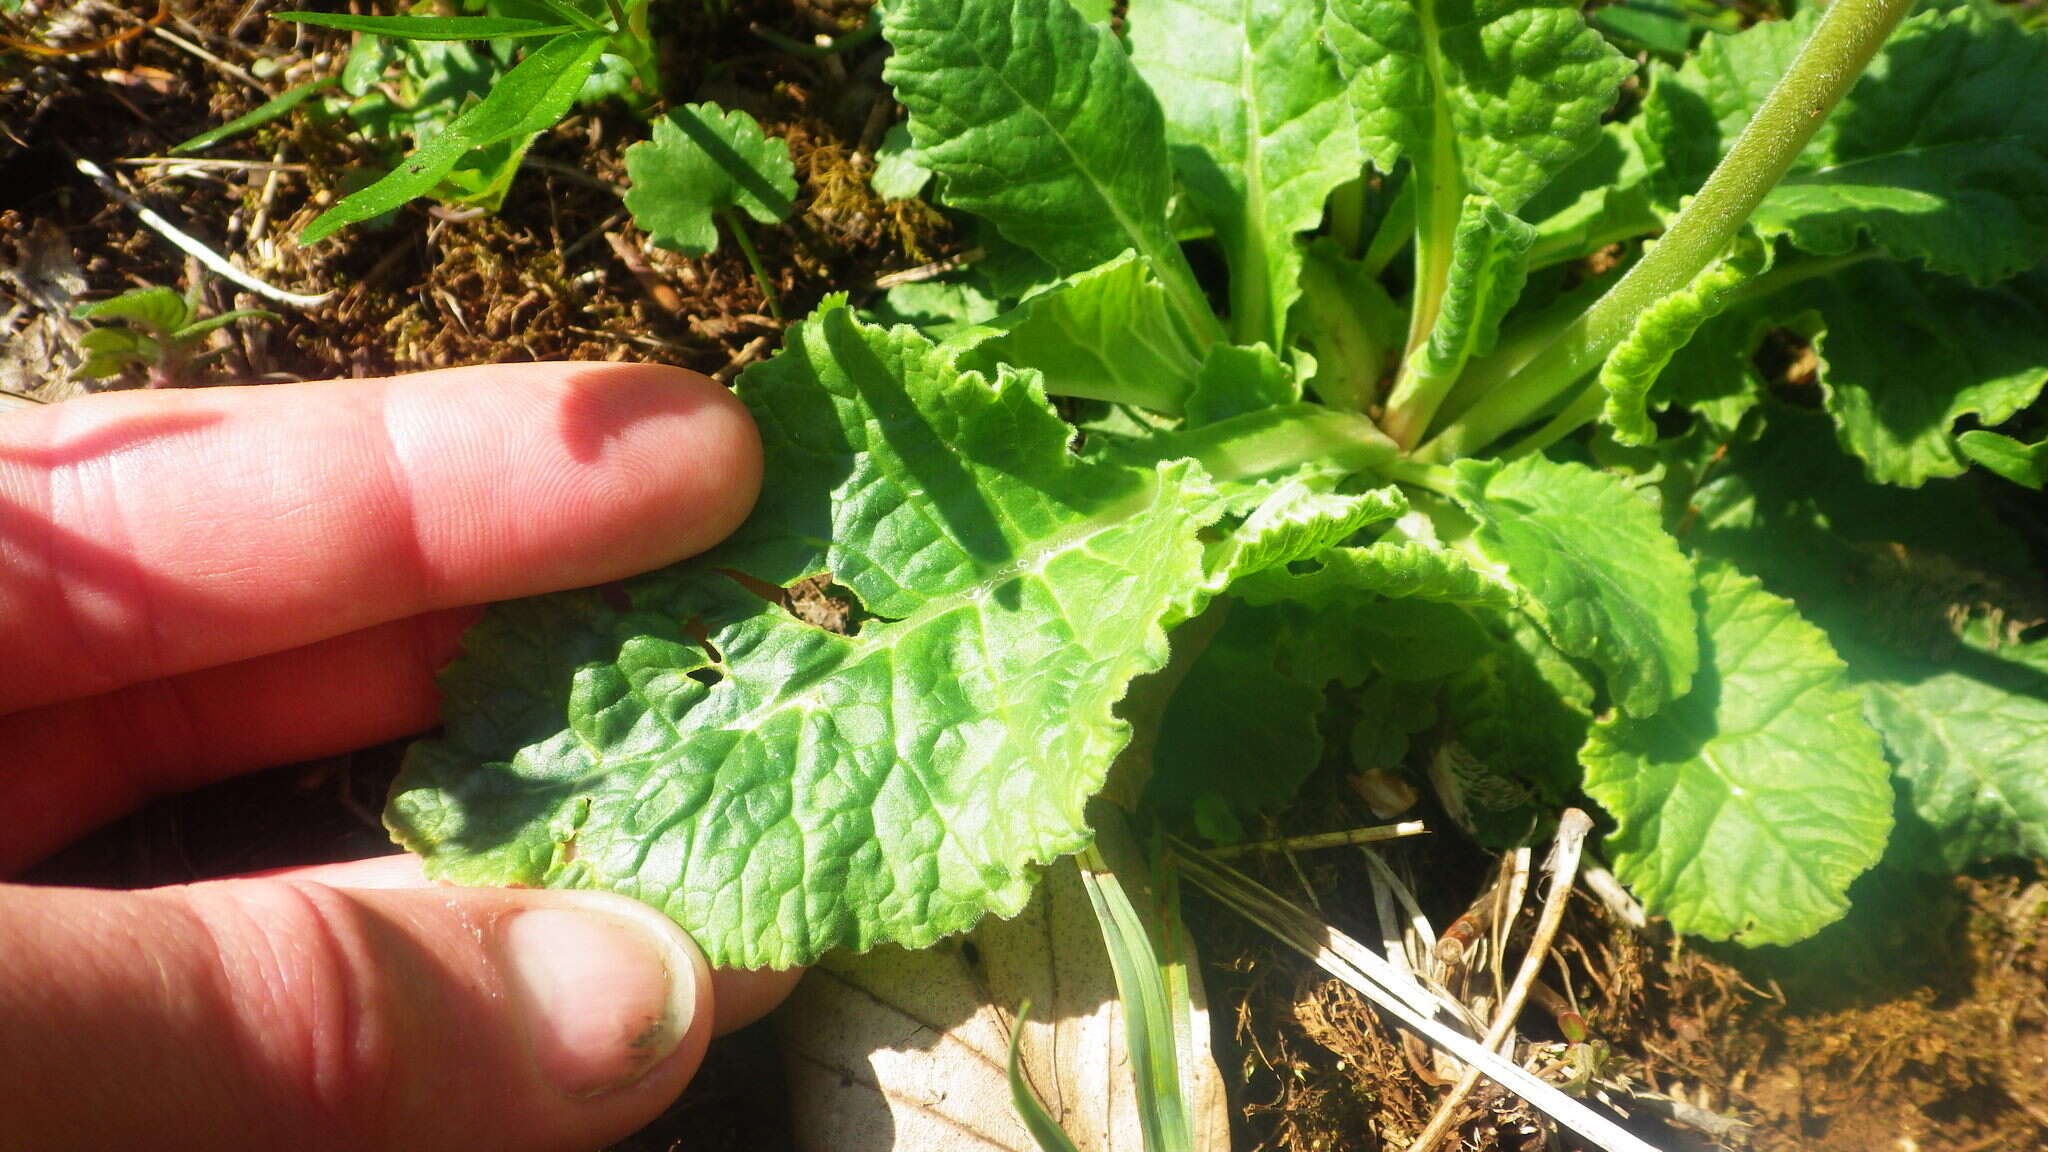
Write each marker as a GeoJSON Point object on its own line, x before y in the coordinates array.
{"type": "Point", "coordinates": [1827, 66]}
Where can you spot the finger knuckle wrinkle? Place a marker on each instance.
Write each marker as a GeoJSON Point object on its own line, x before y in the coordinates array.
{"type": "Point", "coordinates": [298, 966]}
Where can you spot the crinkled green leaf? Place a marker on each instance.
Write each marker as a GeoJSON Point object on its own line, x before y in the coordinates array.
{"type": "Point", "coordinates": [1260, 131]}
{"type": "Point", "coordinates": [1509, 92]}
{"type": "Point", "coordinates": [1598, 571]}
{"type": "Point", "coordinates": [1106, 334]}
{"type": "Point", "coordinates": [2024, 464]}
{"type": "Point", "coordinates": [1714, 376]}
{"type": "Point", "coordinates": [1489, 265]}
{"type": "Point", "coordinates": [527, 101]}
{"type": "Point", "coordinates": [1968, 735]}
{"type": "Point", "coordinates": [780, 790]}
{"type": "Point", "coordinates": [1935, 154]}
{"type": "Point", "coordinates": [1036, 120]}
{"type": "Point", "coordinates": [1905, 354]}
{"type": "Point", "coordinates": [1297, 521]}
{"type": "Point", "coordinates": [1396, 569]}
{"type": "Point", "coordinates": [1661, 330]}
{"type": "Point", "coordinates": [1602, 198]}
{"type": "Point", "coordinates": [1745, 809]}
{"type": "Point", "coordinates": [1234, 380]}
{"type": "Point", "coordinates": [704, 161]}
{"type": "Point", "coordinates": [938, 308]}
{"type": "Point", "coordinates": [898, 175]}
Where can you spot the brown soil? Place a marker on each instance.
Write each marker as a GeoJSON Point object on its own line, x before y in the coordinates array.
{"type": "Point", "coordinates": [1921, 1025]}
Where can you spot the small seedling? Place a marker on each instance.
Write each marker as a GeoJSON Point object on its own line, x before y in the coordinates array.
{"type": "Point", "coordinates": [703, 168]}
{"type": "Point", "coordinates": [154, 329]}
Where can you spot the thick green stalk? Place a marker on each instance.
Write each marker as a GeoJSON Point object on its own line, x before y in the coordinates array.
{"type": "Point", "coordinates": [1827, 65]}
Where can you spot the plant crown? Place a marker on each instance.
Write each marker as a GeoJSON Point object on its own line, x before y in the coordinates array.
{"type": "Point", "coordinates": [1526, 523]}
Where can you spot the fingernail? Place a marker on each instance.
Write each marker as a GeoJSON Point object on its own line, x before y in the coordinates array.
{"type": "Point", "coordinates": [606, 996]}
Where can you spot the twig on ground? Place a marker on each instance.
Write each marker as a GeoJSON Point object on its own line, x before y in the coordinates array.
{"type": "Point", "coordinates": [1563, 866]}
{"type": "Point", "coordinates": [1376, 979]}
{"type": "Point", "coordinates": [204, 162]}
{"type": "Point", "coordinates": [232, 69]}
{"type": "Point", "coordinates": [214, 261]}
{"type": "Point", "coordinates": [931, 271]}
{"type": "Point", "coordinates": [1619, 904]}
{"type": "Point", "coordinates": [660, 291]}
{"type": "Point", "coordinates": [1310, 843]}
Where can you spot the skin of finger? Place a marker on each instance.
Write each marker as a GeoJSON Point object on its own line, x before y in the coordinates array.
{"type": "Point", "coordinates": [283, 1013]}
{"type": "Point", "coordinates": [77, 764]}
{"type": "Point", "coordinates": [741, 995]}
{"type": "Point", "coordinates": [149, 534]}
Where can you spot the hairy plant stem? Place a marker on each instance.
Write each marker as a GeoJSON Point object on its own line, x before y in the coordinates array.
{"type": "Point", "coordinates": [746, 243]}
{"type": "Point", "coordinates": [1827, 65]}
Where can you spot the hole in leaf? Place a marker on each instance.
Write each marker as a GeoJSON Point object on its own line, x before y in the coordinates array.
{"type": "Point", "coordinates": [709, 677]}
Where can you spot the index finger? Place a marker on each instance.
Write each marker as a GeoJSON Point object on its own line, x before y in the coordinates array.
{"type": "Point", "coordinates": [146, 534]}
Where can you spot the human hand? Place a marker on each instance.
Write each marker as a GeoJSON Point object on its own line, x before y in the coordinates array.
{"type": "Point", "coordinates": [197, 583]}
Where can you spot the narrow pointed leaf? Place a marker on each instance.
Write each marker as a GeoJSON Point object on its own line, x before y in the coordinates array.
{"type": "Point", "coordinates": [431, 27]}
{"type": "Point", "coordinates": [1745, 809]}
{"type": "Point", "coordinates": [2024, 464]}
{"type": "Point", "coordinates": [527, 101]}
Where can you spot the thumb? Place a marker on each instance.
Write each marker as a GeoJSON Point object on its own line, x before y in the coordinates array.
{"type": "Point", "coordinates": [282, 1012]}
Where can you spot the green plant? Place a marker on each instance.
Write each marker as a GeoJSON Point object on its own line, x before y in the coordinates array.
{"type": "Point", "coordinates": [152, 329]}
{"type": "Point", "coordinates": [703, 168]}
{"type": "Point", "coordinates": [1364, 497]}
{"type": "Point", "coordinates": [472, 92]}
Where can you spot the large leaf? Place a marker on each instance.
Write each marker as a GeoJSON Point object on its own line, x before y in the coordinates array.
{"type": "Point", "coordinates": [1036, 120]}
{"type": "Point", "coordinates": [527, 101]}
{"type": "Point", "coordinates": [1745, 809]}
{"type": "Point", "coordinates": [1106, 334]}
{"type": "Point", "coordinates": [704, 162]}
{"type": "Point", "coordinates": [1905, 355]}
{"type": "Point", "coordinates": [1508, 91]}
{"type": "Point", "coordinates": [1968, 735]}
{"type": "Point", "coordinates": [781, 790]}
{"type": "Point", "coordinates": [1260, 131]}
{"type": "Point", "coordinates": [1934, 154]}
{"type": "Point", "coordinates": [1599, 572]}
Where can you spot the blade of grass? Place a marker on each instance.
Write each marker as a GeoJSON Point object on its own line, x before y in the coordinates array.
{"type": "Point", "coordinates": [1148, 1020]}
{"type": "Point", "coordinates": [1043, 1128]}
{"type": "Point", "coordinates": [263, 113]}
